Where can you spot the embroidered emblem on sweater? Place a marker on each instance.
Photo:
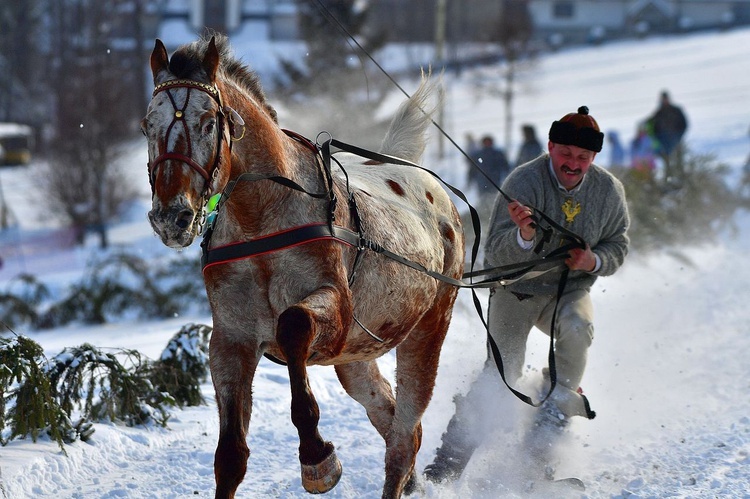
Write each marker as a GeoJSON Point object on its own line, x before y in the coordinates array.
{"type": "Point", "coordinates": [571, 210]}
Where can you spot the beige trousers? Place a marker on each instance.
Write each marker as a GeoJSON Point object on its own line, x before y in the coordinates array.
{"type": "Point", "coordinates": [511, 320]}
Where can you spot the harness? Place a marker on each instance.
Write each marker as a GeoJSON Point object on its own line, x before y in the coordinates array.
{"type": "Point", "coordinates": [304, 234]}
{"type": "Point", "coordinates": [228, 117]}
{"type": "Point", "coordinates": [328, 230]}
{"type": "Point", "coordinates": [295, 236]}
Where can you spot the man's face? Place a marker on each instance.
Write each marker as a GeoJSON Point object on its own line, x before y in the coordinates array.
{"type": "Point", "coordinates": [570, 163]}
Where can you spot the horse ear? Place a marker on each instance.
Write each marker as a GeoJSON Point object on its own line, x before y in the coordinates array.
{"type": "Point", "coordinates": [211, 60]}
{"type": "Point", "coordinates": [159, 59]}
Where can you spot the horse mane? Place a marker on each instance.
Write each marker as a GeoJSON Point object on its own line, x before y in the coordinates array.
{"type": "Point", "coordinates": [186, 62]}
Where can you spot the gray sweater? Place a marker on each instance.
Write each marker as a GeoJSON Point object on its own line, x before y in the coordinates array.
{"type": "Point", "coordinates": [599, 215]}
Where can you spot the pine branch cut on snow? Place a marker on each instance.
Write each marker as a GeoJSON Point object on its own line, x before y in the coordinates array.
{"type": "Point", "coordinates": [40, 395]}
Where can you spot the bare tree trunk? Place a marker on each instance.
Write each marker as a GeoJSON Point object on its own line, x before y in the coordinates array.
{"type": "Point", "coordinates": [508, 96]}
{"type": "Point", "coordinates": [3, 209]}
{"type": "Point", "coordinates": [440, 19]}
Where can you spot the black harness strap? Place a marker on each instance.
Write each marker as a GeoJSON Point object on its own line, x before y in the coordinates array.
{"type": "Point", "coordinates": [387, 158]}
{"type": "Point", "coordinates": [503, 275]}
{"type": "Point", "coordinates": [308, 234]}
{"type": "Point", "coordinates": [524, 270]}
{"type": "Point", "coordinates": [274, 242]}
{"type": "Point", "coordinates": [497, 357]}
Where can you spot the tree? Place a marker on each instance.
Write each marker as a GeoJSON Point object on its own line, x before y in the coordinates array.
{"type": "Point", "coordinates": [516, 28]}
{"type": "Point", "coordinates": [334, 76]}
{"type": "Point", "coordinates": [98, 97]}
{"type": "Point", "coordinates": [22, 85]}
{"type": "Point", "coordinates": [513, 31]}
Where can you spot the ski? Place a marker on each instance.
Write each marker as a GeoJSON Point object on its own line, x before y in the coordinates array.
{"type": "Point", "coordinates": [572, 482]}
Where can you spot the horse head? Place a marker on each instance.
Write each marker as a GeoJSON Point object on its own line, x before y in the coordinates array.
{"type": "Point", "coordinates": [189, 133]}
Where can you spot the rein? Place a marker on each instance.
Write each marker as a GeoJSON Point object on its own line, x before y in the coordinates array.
{"type": "Point", "coordinates": [520, 270]}
{"type": "Point", "coordinates": [502, 275]}
{"type": "Point", "coordinates": [537, 216]}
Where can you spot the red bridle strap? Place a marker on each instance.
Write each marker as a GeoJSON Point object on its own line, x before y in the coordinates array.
{"type": "Point", "coordinates": [180, 157]}
{"type": "Point", "coordinates": [179, 116]}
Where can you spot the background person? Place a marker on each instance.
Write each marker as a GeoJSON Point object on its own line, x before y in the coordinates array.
{"type": "Point", "coordinates": [669, 125]}
{"type": "Point", "coordinates": [642, 152]}
{"type": "Point", "coordinates": [530, 147]}
{"type": "Point", "coordinates": [616, 151]}
{"type": "Point", "coordinates": [493, 162]}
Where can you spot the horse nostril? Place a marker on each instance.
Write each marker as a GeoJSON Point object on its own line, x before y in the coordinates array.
{"type": "Point", "coordinates": [184, 219]}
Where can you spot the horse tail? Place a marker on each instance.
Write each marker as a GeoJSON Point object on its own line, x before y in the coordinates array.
{"type": "Point", "coordinates": [406, 137]}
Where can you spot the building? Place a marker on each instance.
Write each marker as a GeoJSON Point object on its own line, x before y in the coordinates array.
{"type": "Point", "coordinates": [575, 21]}
{"type": "Point", "coordinates": [557, 21]}
{"type": "Point", "coordinates": [278, 17]}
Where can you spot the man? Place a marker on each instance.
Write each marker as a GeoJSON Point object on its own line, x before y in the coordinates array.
{"type": "Point", "coordinates": [669, 126]}
{"type": "Point", "coordinates": [492, 161]}
{"type": "Point", "coordinates": [587, 200]}
{"type": "Point", "coordinates": [530, 148]}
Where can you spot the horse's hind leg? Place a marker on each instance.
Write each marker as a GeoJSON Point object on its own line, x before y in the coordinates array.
{"type": "Point", "coordinates": [313, 325]}
{"type": "Point", "coordinates": [364, 383]}
{"type": "Point", "coordinates": [417, 362]}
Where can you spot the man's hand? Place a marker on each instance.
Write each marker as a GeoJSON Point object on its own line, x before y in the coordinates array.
{"type": "Point", "coordinates": [581, 259]}
{"type": "Point", "coordinates": [521, 216]}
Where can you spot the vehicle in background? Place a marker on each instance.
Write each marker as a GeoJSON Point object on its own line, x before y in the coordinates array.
{"type": "Point", "coordinates": [16, 143]}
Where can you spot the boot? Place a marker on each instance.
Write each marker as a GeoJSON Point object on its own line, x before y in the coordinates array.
{"type": "Point", "coordinates": [568, 402]}
{"type": "Point", "coordinates": [455, 452]}
{"type": "Point", "coordinates": [448, 465]}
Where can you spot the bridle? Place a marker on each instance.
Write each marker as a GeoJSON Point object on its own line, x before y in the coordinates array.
{"type": "Point", "coordinates": [209, 174]}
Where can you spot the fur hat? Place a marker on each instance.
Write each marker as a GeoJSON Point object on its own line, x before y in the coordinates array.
{"type": "Point", "coordinates": [577, 129]}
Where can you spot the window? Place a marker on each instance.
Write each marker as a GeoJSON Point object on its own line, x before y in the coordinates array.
{"type": "Point", "coordinates": [563, 9]}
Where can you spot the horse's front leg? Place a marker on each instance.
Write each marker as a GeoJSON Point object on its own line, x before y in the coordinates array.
{"type": "Point", "coordinates": [233, 366]}
{"type": "Point", "coordinates": [316, 325]}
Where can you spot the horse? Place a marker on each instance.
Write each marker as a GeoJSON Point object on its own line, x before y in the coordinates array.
{"type": "Point", "coordinates": [323, 300]}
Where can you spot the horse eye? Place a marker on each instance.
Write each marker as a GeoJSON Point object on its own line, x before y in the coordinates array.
{"type": "Point", "coordinates": [210, 127]}
{"type": "Point", "coordinates": [143, 128]}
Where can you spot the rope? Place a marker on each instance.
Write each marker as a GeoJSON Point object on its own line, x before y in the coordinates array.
{"type": "Point", "coordinates": [537, 216]}
{"type": "Point", "coordinates": [445, 134]}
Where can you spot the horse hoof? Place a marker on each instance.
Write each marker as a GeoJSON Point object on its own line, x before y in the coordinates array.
{"type": "Point", "coordinates": [322, 477]}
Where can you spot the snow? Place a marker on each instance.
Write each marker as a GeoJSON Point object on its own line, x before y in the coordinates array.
{"type": "Point", "coordinates": [667, 374]}
{"type": "Point", "coordinates": [14, 129]}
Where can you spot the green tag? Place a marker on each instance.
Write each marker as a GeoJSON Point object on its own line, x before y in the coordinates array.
{"type": "Point", "coordinates": [212, 202]}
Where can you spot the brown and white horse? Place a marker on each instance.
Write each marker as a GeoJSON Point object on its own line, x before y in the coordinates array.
{"type": "Point", "coordinates": [207, 124]}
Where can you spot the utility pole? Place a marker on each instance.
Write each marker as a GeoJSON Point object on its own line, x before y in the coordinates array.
{"type": "Point", "coordinates": [440, 20]}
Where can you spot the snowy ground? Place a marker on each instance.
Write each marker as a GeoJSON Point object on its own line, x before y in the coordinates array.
{"type": "Point", "coordinates": [668, 374]}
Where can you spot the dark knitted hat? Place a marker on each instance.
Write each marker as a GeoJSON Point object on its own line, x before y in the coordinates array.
{"type": "Point", "coordinates": [577, 129]}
